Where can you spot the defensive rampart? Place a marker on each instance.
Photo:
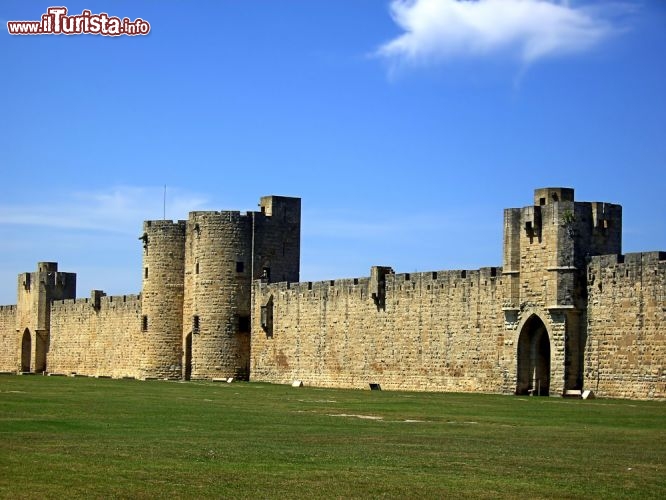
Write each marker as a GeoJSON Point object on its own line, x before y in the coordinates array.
{"type": "Point", "coordinates": [8, 347]}
{"type": "Point", "coordinates": [220, 298]}
{"type": "Point", "coordinates": [97, 336]}
{"type": "Point", "coordinates": [423, 331]}
{"type": "Point", "coordinates": [626, 325]}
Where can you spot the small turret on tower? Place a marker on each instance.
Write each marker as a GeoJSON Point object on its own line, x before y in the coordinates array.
{"type": "Point", "coordinates": [277, 239]}
{"type": "Point", "coordinates": [550, 195]}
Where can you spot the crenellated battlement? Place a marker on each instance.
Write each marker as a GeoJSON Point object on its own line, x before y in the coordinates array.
{"type": "Point", "coordinates": [629, 259]}
{"type": "Point", "coordinates": [164, 224]}
{"type": "Point", "coordinates": [479, 277]}
{"type": "Point", "coordinates": [221, 297]}
{"type": "Point", "coordinates": [105, 302]}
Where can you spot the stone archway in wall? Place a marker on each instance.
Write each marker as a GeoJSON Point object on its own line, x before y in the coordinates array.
{"type": "Point", "coordinates": [533, 376]}
{"type": "Point", "coordinates": [26, 351]}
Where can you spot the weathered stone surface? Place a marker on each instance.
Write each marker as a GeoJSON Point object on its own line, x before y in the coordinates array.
{"type": "Point", "coordinates": [221, 300]}
{"type": "Point", "coordinates": [438, 331]}
{"type": "Point", "coordinates": [225, 251]}
{"type": "Point", "coordinates": [201, 268]}
{"type": "Point", "coordinates": [521, 328]}
{"type": "Point", "coordinates": [97, 341]}
{"type": "Point", "coordinates": [161, 324]}
{"type": "Point", "coordinates": [625, 349]}
{"type": "Point", "coordinates": [9, 354]}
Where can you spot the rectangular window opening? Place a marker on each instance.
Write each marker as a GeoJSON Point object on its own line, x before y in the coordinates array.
{"type": "Point", "coordinates": [244, 324]}
{"type": "Point", "coordinates": [195, 324]}
{"type": "Point", "coordinates": [240, 267]}
{"type": "Point", "coordinates": [267, 317]}
{"type": "Point", "coordinates": [144, 323]}
{"type": "Point", "coordinates": [145, 273]}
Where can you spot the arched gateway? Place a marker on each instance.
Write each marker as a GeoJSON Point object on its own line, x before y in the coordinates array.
{"type": "Point", "coordinates": [533, 358]}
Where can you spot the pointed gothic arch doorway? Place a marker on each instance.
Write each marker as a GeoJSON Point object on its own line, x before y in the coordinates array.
{"type": "Point", "coordinates": [26, 351]}
{"type": "Point", "coordinates": [533, 358]}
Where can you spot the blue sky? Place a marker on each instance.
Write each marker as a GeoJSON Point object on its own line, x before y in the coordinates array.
{"type": "Point", "coordinates": [405, 127]}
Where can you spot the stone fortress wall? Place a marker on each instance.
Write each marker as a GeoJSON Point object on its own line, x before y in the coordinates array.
{"type": "Point", "coordinates": [625, 349]}
{"type": "Point", "coordinates": [192, 318]}
{"type": "Point", "coordinates": [221, 298]}
{"type": "Point", "coordinates": [439, 331]}
{"type": "Point", "coordinates": [8, 347]}
{"type": "Point", "coordinates": [539, 325]}
{"type": "Point", "coordinates": [97, 336]}
{"type": "Point", "coordinates": [434, 331]}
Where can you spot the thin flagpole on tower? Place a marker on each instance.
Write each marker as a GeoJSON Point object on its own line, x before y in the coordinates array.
{"type": "Point", "coordinates": [164, 205]}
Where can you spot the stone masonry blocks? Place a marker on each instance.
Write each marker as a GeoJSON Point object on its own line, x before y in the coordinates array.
{"type": "Point", "coordinates": [221, 298]}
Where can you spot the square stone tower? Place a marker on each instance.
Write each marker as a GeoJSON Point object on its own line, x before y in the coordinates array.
{"type": "Point", "coordinates": [36, 292]}
{"type": "Point", "coordinates": [546, 249]}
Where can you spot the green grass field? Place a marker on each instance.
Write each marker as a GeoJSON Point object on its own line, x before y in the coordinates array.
{"type": "Point", "coordinates": [98, 438]}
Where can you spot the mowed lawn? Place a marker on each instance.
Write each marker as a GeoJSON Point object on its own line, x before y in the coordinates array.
{"type": "Point", "coordinates": [99, 438]}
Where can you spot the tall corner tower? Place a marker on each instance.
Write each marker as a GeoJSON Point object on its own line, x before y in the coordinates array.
{"type": "Point", "coordinates": [36, 292]}
{"type": "Point", "coordinates": [218, 262]}
{"type": "Point", "coordinates": [224, 252]}
{"type": "Point", "coordinates": [546, 249]}
{"type": "Point", "coordinates": [162, 298]}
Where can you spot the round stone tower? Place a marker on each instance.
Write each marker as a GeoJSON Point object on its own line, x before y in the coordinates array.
{"type": "Point", "coordinates": [162, 298]}
{"type": "Point", "coordinates": [216, 312]}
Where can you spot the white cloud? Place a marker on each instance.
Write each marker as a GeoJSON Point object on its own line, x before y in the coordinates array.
{"type": "Point", "coordinates": [119, 209]}
{"type": "Point", "coordinates": [529, 30]}
{"type": "Point", "coordinates": [93, 233]}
